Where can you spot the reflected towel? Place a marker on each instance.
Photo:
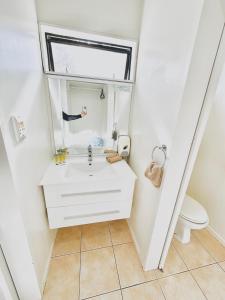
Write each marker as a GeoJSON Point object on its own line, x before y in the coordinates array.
{"type": "Point", "coordinates": [112, 154]}
{"type": "Point", "coordinates": [155, 173]}
{"type": "Point", "coordinates": [114, 159]}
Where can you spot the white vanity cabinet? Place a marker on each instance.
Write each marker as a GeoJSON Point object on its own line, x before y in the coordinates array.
{"type": "Point", "coordinates": [88, 195]}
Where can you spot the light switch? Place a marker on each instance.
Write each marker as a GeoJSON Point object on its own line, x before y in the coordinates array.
{"type": "Point", "coordinates": [19, 128]}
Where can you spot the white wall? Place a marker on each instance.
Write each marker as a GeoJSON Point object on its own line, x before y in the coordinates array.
{"type": "Point", "coordinates": [207, 184]}
{"type": "Point", "coordinates": [13, 239]}
{"type": "Point", "coordinates": [167, 39]}
{"type": "Point", "coordinates": [23, 92]}
{"type": "Point", "coordinates": [109, 17]}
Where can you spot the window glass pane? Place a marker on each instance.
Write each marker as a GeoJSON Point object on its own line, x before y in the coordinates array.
{"type": "Point", "coordinates": [86, 61]}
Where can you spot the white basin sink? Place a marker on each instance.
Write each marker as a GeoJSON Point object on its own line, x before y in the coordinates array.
{"type": "Point", "coordinates": [98, 169]}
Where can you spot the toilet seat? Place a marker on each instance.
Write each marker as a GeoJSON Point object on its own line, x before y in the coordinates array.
{"type": "Point", "coordinates": [193, 211]}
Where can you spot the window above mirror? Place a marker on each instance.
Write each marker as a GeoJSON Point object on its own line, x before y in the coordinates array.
{"type": "Point", "coordinates": [73, 53]}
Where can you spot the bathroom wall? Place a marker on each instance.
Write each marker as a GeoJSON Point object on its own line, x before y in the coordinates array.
{"type": "Point", "coordinates": [13, 238]}
{"type": "Point", "coordinates": [119, 18]}
{"type": "Point", "coordinates": [167, 39]}
{"type": "Point", "coordinates": [23, 92]}
{"type": "Point", "coordinates": [207, 184]}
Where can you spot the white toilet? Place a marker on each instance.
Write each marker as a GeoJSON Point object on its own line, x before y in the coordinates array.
{"type": "Point", "coordinates": [193, 216]}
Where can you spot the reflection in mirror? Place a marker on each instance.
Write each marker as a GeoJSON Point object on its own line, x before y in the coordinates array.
{"type": "Point", "coordinates": [87, 55]}
{"type": "Point", "coordinates": [86, 114]}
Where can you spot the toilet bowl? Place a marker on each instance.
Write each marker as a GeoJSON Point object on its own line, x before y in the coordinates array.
{"type": "Point", "coordinates": [193, 216]}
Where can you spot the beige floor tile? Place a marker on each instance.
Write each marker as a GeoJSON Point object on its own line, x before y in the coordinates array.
{"type": "Point", "coordinates": [120, 232]}
{"type": "Point", "coordinates": [193, 254]}
{"type": "Point", "coordinates": [129, 266]}
{"type": "Point", "coordinates": [63, 278]}
{"type": "Point", "coordinates": [98, 272]}
{"type": "Point", "coordinates": [181, 287]}
{"type": "Point", "coordinates": [174, 264]}
{"type": "Point", "coordinates": [95, 236]}
{"type": "Point", "coordinates": [222, 265]}
{"type": "Point", "coordinates": [211, 280]}
{"type": "Point", "coordinates": [146, 291]}
{"type": "Point", "coordinates": [111, 296]}
{"type": "Point", "coordinates": [212, 245]}
{"type": "Point", "coordinates": [67, 241]}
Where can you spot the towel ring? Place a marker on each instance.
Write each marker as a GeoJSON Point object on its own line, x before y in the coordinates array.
{"type": "Point", "coordinates": [162, 148]}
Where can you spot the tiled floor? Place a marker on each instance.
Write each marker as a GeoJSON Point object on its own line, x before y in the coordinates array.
{"type": "Point", "coordinates": [99, 262]}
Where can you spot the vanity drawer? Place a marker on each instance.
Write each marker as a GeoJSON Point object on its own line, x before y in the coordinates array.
{"type": "Point", "coordinates": [56, 197]}
{"type": "Point", "coordinates": [92, 213]}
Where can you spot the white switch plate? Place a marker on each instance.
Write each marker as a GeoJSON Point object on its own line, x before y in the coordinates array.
{"type": "Point", "coordinates": [19, 128]}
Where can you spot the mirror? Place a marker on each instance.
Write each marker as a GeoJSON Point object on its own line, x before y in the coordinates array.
{"type": "Point", "coordinates": [87, 55]}
{"type": "Point", "coordinates": [87, 113]}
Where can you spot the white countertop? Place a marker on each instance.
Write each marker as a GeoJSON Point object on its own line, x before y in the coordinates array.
{"type": "Point", "coordinates": [55, 174]}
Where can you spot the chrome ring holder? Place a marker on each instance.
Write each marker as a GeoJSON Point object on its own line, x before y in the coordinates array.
{"type": "Point", "coordinates": [162, 148]}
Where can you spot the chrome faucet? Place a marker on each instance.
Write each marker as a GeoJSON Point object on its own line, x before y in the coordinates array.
{"type": "Point", "coordinates": [90, 155]}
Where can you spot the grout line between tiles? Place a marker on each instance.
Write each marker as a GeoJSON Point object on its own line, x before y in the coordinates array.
{"type": "Point", "coordinates": [115, 260]}
{"type": "Point", "coordinates": [186, 271]}
{"type": "Point", "coordinates": [79, 252]}
{"type": "Point", "coordinates": [189, 272]}
{"type": "Point", "coordinates": [177, 273]}
{"type": "Point", "coordinates": [123, 243]}
{"type": "Point", "coordinates": [214, 263]}
{"type": "Point", "coordinates": [98, 248]}
{"type": "Point", "coordinates": [196, 268]}
{"type": "Point", "coordinates": [172, 274]}
{"type": "Point", "coordinates": [136, 284]}
{"type": "Point", "coordinates": [189, 269]}
{"type": "Point", "coordinates": [220, 266]}
{"type": "Point", "coordinates": [179, 255]}
{"type": "Point", "coordinates": [145, 282]}
{"type": "Point", "coordinates": [102, 294]}
{"type": "Point", "coordinates": [212, 256]}
{"type": "Point", "coordinates": [65, 254]}
{"type": "Point", "coordinates": [121, 292]}
{"type": "Point", "coordinates": [198, 284]}
{"type": "Point", "coordinates": [200, 267]}
{"type": "Point", "coordinates": [161, 289]}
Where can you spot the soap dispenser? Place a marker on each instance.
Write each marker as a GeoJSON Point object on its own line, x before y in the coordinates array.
{"type": "Point", "coordinates": [124, 145]}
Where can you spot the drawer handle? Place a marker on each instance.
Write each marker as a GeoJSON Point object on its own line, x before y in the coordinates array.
{"type": "Point", "coordinates": [92, 215]}
{"type": "Point", "coordinates": [91, 193]}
